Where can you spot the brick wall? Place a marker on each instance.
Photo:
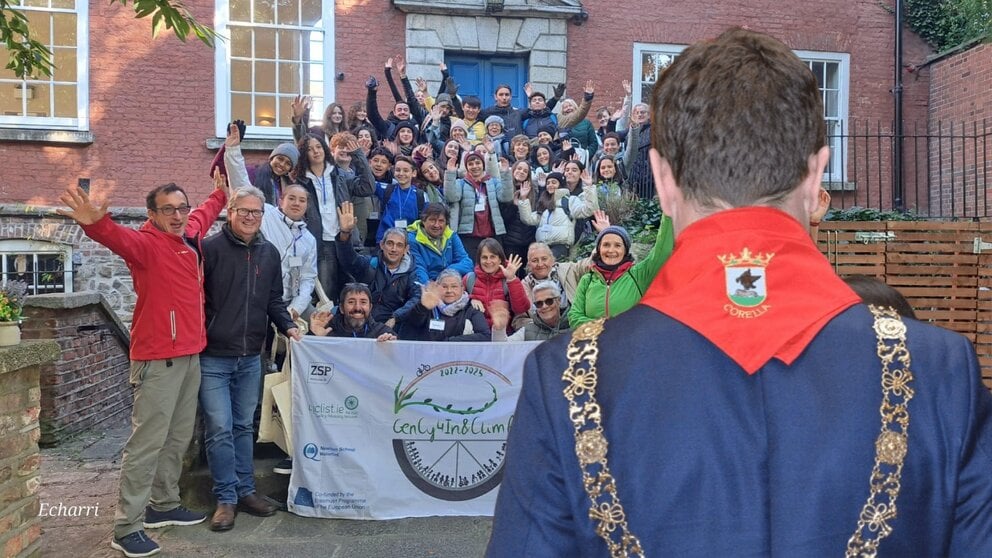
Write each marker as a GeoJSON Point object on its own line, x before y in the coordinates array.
{"type": "Point", "coordinates": [98, 270]}
{"type": "Point", "coordinates": [152, 100]}
{"type": "Point", "coordinates": [88, 384]}
{"type": "Point", "coordinates": [961, 110]}
{"type": "Point", "coordinates": [20, 397]}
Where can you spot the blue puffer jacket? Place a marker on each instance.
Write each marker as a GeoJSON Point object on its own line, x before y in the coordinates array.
{"type": "Point", "coordinates": [431, 258]}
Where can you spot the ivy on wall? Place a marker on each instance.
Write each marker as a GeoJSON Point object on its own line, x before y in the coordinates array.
{"type": "Point", "coordinates": [946, 24]}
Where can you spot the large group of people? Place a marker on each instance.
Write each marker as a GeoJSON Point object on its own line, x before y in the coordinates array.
{"type": "Point", "coordinates": [447, 220]}
{"type": "Point", "coordinates": [470, 189]}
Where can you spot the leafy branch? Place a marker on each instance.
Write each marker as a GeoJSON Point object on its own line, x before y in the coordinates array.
{"type": "Point", "coordinates": [30, 58]}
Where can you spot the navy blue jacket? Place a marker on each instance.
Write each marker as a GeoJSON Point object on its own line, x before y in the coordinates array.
{"type": "Point", "coordinates": [711, 461]}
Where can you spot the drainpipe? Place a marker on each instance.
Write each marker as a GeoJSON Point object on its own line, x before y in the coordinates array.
{"type": "Point", "coordinates": [897, 185]}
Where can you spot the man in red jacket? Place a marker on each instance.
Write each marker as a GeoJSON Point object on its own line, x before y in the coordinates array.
{"type": "Point", "coordinates": [167, 335]}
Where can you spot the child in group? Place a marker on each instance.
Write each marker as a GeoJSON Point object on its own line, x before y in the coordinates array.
{"type": "Point", "coordinates": [401, 201]}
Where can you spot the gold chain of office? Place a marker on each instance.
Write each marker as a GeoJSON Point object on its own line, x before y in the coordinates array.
{"type": "Point", "coordinates": [874, 521]}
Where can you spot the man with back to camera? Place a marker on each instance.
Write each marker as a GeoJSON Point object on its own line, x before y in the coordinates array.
{"type": "Point", "coordinates": [757, 432]}
{"type": "Point", "coordinates": [167, 335]}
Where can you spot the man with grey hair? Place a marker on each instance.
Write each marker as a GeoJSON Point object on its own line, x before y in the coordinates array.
{"type": "Point", "coordinates": [542, 266]}
{"type": "Point", "coordinates": [243, 287]}
{"type": "Point", "coordinates": [548, 318]}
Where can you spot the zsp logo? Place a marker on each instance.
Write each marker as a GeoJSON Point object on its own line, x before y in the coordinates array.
{"type": "Point", "coordinates": [320, 373]}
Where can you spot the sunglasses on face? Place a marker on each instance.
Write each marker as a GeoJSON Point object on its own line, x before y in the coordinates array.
{"type": "Point", "coordinates": [546, 302]}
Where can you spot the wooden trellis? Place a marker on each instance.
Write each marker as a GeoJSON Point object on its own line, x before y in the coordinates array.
{"type": "Point", "coordinates": [944, 269]}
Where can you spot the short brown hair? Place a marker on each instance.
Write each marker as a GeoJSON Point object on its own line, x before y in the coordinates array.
{"type": "Point", "coordinates": [737, 118]}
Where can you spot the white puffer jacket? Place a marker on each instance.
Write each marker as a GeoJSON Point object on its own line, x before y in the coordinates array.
{"type": "Point", "coordinates": [558, 226]}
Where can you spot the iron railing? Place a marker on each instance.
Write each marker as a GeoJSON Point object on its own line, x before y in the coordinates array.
{"type": "Point", "coordinates": [946, 168]}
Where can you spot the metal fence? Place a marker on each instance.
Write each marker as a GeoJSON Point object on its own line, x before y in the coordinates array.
{"type": "Point", "coordinates": [946, 167]}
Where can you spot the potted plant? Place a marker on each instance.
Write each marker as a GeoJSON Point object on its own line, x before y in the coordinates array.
{"type": "Point", "coordinates": [12, 296]}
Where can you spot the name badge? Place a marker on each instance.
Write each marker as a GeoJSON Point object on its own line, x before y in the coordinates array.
{"type": "Point", "coordinates": [374, 215]}
{"type": "Point", "coordinates": [480, 203]}
{"type": "Point", "coordinates": [437, 325]}
{"type": "Point", "coordinates": [401, 223]}
{"type": "Point", "coordinates": [295, 261]}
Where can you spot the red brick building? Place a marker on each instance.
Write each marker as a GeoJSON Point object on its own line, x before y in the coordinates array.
{"type": "Point", "coordinates": [128, 112]}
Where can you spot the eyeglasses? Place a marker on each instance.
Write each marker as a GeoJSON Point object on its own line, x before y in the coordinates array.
{"type": "Point", "coordinates": [546, 302]}
{"type": "Point", "coordinates": [169, 211]}
{"type": "Point", "coordinates": [244, 212]}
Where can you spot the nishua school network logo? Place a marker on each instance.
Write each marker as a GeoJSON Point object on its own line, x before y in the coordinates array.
{"type": "Point", "coordinates": [448, 446]}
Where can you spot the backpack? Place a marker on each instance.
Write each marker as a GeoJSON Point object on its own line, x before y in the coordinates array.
{"type": "Point", "coordinates": [470, 285]}
{"type": "Point", "coordinates": [421, 197]}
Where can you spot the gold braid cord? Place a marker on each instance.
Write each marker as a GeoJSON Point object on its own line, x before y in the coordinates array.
{"type": "Point", "coordinates": [580, 380]}
{"type": "Point", "coordinates": [590, 444]}
{"type": "Point", "coordinates": [892, 442]}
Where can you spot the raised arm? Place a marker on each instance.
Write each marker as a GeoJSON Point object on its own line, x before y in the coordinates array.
{"type": "Point", "coordinates": [645, 270]}
{"type": "Point", "coordinates": [570, 120]}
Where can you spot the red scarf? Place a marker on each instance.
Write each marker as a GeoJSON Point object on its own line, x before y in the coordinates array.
{"type": "Point", "coordinates": [752, 282]}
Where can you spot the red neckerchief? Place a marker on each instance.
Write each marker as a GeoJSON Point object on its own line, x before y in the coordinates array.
{"type": "Point", "coordinates": [752, 282]}
{"type": "Point", "coordinates": [610, 275]}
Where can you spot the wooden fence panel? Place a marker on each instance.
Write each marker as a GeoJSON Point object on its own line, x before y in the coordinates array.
{"type": "Point", "coordinates": [933, 264]}
{"type": "Point", "coordinates": [983, 325]}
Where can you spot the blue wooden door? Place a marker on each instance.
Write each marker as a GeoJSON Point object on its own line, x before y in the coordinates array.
{"type": "Point", "coordinates": [480, 74]}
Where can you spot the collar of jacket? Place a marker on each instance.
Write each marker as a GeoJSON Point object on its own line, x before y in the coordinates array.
{"type": "Point", "coordinates": [425, 239]}
{"type": "Point", "coordinates": [255, 240]}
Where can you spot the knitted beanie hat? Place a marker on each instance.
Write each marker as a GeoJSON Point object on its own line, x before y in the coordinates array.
{"type": "Point", "coordinates": [561, 181]}
{"type": "Point", "coordinates": [617, 230]}
{"type": "Point", "coordinates": [459, 123]}
{"type": "Point", "coordinates": [495, 118]}
{"type": "Point", "coordinates": [474, 155]}
{"type": "Point", "coordinates": [288, 150]}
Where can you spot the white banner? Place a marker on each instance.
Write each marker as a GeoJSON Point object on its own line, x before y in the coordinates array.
{"type": "Point", "coordinates": [400, 429]}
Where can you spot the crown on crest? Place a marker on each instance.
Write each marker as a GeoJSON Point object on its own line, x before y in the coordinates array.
{"type": "Point", "coordinates": [746, 258]}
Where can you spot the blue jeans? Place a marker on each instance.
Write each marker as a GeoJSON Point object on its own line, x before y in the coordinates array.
{"type": "Point", "coordinates": [228, 396]}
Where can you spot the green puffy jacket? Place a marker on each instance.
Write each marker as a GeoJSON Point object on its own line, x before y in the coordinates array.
{"type": "Point", "coordinates": [595, 298]}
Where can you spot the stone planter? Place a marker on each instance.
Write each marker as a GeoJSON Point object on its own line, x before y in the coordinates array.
{"type": "Point", "coordinates": [10, 334]}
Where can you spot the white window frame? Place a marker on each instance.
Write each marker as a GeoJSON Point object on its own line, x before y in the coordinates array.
{"type": "Point", "coordinates": [82, 120]}
{"type": "Point", "coordinates": [222, 73]}
{"type": "Point", "coordinates": [34, 248]}
{"type": "Point", "coordinates": [838, 165]}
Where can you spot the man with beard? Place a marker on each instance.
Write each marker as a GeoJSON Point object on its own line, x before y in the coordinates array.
{"type": "Point", "coordinates": [389, 275]}
{"type": "Point", "coordinates": [353, 317]}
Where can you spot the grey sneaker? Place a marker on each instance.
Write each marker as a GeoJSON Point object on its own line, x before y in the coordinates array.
{"type": "Point", "coordinates": [135, 545]}
{"type": "Point", "coordinates": [176, 516]}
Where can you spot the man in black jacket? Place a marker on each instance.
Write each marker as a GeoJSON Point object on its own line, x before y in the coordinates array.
{"type": "Point", "coordinates": [389, 275]}
{"type": "Point", "coordinates": [353, 317]}
{"type": "Point", "coordinates": [243, 287]}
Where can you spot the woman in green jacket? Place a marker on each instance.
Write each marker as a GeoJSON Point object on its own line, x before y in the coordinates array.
{"type": "Point", "coordinates": [615, 283]}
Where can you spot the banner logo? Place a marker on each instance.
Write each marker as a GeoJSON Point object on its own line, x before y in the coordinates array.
{"type": "Point", "coordinates": [449, 450]}
{"type": "Point", "coordinates": [310, 451]}
{"type": "Point", "coordinates": [320, 373]}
